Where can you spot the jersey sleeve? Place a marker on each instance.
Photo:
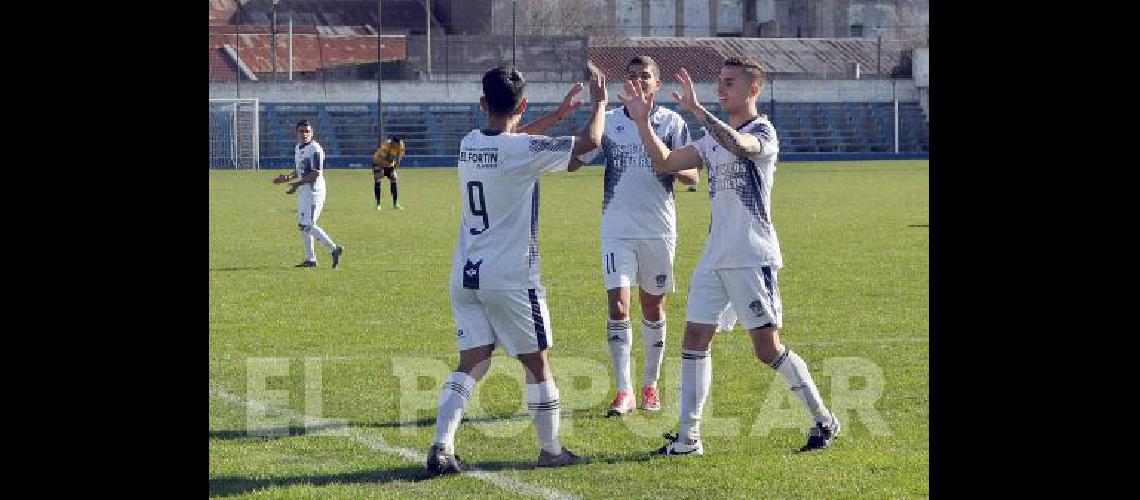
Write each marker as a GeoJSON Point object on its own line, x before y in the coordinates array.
{"type": "Point", "coordinates": [703, 147]}
{"type": "Point", "coordinates": [538, 153]}
{"type": "Point", "coordinates": [317, 160]}
{"type": "Point", "coordinates": [767, 136]}
{"type": "Point", "coordinates": [313, 161]}
{"type": "Point", "coordinates": [679, 137]}
{"type": "Point", "coordinates": [590, 155]}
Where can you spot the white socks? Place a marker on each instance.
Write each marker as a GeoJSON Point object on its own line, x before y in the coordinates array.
{"type": "Point", "coordinates": [307, 241]}
{"type": "Point", "coordinates": [619, 336]}
{"type": "Point", "coordinates": [696, 377]}
{"type": "Point", "coordinates": [653, 337]}
{"type": "Point", "coordinates": [542, 400]}
{"type": "Point", "coordinates": [322, 237]}
{"type": "Point", "coordinates": [795, 372]}
{"type": "Point", "coordinates": [453, 398]}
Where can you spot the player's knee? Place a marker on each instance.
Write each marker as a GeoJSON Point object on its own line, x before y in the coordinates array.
{"type": "Point", "coordinates": [767, 352]}
{"type": "Point", "coordinates": [766, 343]}
{"type": "Point", "coordinates": [653, 309]}
{"type": "Point", "coordinates": [475, 362]}
{"type": "Point", "coordinates": [619, 310]}
{"type": "Point", "coordinates": [536, 365]}
{"type": "Point", "coordinates": [697, 336]}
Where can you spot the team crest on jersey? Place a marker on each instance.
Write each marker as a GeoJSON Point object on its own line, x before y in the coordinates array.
{"type": "Point", "coordinates": [661, 280]}
{"type": "Point", "coordinates": [756, 307]}
{"type": "Point", "coordinates": [550, 145]}
{"type": "Point", "coordinates": [620, 128]}
{"type": "Point", "coordinates": [471, 274]}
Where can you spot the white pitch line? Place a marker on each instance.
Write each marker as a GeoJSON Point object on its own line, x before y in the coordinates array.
{"type": "Point", "coordinates": [377, 443]}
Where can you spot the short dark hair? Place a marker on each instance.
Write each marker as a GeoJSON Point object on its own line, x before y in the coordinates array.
{"type": "Point", "coordinates": [751, 67]}
{"type": "Point", "coordinates": [503, 87]}
{"type": "Point", "coordinates": [646, 61]}
{"type": "Point", "coordinates": [303, 123]}
{"type": "Point", "coordinates": [395, 138]}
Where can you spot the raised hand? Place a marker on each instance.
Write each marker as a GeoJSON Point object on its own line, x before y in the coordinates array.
{"type": "Point", "coordinates": [569, 104]}
{"type": "Point", "coordinates": [687, 99]}
{"type": "Point", "coordinates": [637, 102]}
{"type": "Point", "coordinates": [598, 88]}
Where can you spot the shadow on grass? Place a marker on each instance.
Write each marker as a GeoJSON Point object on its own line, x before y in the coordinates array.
{"type": "Point", "coordinates": [918, 225]}
{"type": "Point", "coordinates": [297, 430]}
{"type": "Point", "coordinates": [231, 485]}
{"type": "Point", "coordinates": [430, 422]}
{"type": "Point", "coordinates": [248, 268]}
{"type": "Point", "coordinates": [275, 433]}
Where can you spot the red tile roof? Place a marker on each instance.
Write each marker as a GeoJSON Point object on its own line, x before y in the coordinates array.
{"type": "Point", "coordinates": [310, 52]}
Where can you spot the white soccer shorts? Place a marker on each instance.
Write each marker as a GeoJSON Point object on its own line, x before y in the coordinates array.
{"type": "Point", "coordinates": [309, 206]}
{"type": "Point", "coordinates": [516, 319]}
{"type": "Point", "coordinates": [752, 294]}
{"type": "Point", "coordinates": [647, 263]}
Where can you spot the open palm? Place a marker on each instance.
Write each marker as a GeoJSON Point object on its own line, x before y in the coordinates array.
{"type": "Point", "coordinates": [687, 99]}
{"type": "Point", "coordinates": [638, 103]}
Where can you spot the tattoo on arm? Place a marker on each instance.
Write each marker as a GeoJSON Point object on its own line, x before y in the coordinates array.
{"type": "Point", "coordinates": [729, 137]}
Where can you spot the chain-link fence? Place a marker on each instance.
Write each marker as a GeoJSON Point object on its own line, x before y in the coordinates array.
{"type": "Point", "coordinates": [361, 70]}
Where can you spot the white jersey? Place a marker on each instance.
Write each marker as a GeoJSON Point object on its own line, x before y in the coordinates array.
{"type": "Point", "coordinates": [307, 158]}
{"type": "Point", "coordinates": [638, 203]}
{"type": "Point", "coordinates": [741, 233]}
{"type": "Point", "coordinates": [498, 189]}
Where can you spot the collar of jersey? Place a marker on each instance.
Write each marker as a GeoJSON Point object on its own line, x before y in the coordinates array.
{"type": "Point", "coordinates": [656, 107]}
{"type": "Point", "coordinates": [299, 146]}
{"type": "Point", "coordinates": [749, 122]}
{"type": "Point", "coordinates": [490, 133]}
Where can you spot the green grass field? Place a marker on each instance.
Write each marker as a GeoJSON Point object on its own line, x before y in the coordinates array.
{"type": "Point", "coordinates": [368, 345]}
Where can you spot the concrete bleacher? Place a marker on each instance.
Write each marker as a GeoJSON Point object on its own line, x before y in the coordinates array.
{"type": "Point", "coordinates": [349, 132]}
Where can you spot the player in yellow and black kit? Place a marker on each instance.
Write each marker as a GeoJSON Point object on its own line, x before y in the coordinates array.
{"type": "Point", "coordinates": [385, 162]}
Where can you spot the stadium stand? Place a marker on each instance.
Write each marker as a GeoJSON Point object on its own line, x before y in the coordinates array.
{"type": "Point", "coordinates": [349, 132]}
{"type": "Point", "coordinates": [781, 57]}
{"type": "Point", "coordinates": [338, 39]}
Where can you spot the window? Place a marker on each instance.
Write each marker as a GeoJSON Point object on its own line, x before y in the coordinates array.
{"type": "Point", "coordinates": [857, 31]}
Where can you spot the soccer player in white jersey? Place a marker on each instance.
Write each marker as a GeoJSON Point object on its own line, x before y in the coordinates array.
{"type": "Point", "coordinates": [496, 294]}
{"type": "Point", "coordinates": [742, 255]}
{"type": "Point", "coordinates": [309, 163]}
{"type": "Point", "coordinates": [639, 235]}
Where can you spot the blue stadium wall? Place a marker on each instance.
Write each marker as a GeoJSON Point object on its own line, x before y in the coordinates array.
{"type": "Point", "coordinates": [808, 131]}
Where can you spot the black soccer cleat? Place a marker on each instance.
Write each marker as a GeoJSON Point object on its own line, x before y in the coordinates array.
{"type": "Point", "coordinates": [439, 462]}
{"type": "Point", "coordinates": [680, 446]}
{"type": "Point", "coordinates": [547, 459]}
{"type": "Point", "coordinates": [336, 255]}
{"type": "Point", "coordinates": [820, 436]}
{"type": "Point", "coordinates": [307, 263]}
